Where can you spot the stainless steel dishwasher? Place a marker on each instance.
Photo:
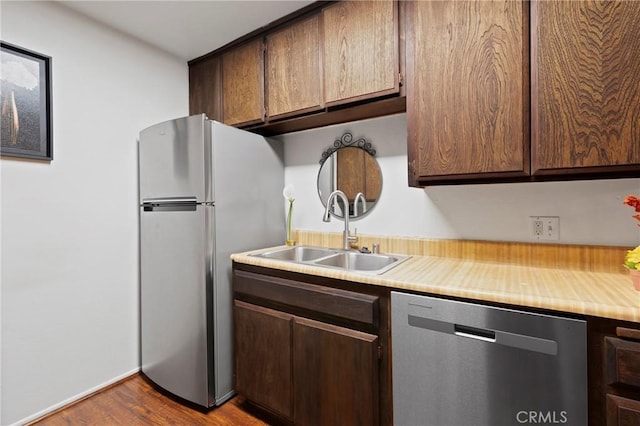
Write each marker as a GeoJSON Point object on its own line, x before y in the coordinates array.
{"type": "Point", "coordinates": [457, 363]}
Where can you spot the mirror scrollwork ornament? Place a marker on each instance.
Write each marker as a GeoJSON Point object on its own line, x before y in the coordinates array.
{"type": "Point", "coordinates": [344, 142]}
{"type": "Point", "coordinates": [350, 166]}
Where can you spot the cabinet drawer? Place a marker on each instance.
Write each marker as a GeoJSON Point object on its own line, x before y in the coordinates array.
{"type": "Point", "coordinates": [300, 298]}
{"type": "Point", "coordinates": [622, 411]}
{"type": "Point", "coordinates": [622, 361]}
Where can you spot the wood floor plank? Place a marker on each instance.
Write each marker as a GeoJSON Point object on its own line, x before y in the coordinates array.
{"type": "Point", "coordinates": [137, 402]}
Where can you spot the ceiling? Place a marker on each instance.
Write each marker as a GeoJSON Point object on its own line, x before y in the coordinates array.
{"type": "Point", "coordinates": [186, 29]}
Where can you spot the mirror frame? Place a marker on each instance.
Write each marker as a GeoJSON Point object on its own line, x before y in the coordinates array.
{"type": "Point", "coordinates": [347, 141]}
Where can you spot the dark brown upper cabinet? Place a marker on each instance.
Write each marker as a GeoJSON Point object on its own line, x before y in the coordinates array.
{"type": "Point", "coordinates": [327, 63]}
{"type": "Point", "coordinates": [243, 84]}
{"type": "Point", "coordinates": [360, 50]}
{"type": "Point", "coordinates": [294, 74]}
{"type": "Point", "coordinates": [467, 90]}
{"type": "Point", "coordinates": [205, 88]}
{"type": "Point", "coordinates": [585, 86]}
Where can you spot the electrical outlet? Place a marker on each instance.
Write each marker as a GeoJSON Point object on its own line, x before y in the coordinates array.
{"type": "Point", "coordinates": [544, 228]}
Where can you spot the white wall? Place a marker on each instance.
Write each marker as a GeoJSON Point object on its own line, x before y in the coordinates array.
{"type": "Point", "coordinates": [70, 303]}
{"type": "Point", "coordinates": [591, 212]}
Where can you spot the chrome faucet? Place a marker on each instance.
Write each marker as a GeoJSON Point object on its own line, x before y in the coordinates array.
{"type": "Point", "coordinates": [347, 238]}
{"type": "Point", "coordinates": [359, 197]}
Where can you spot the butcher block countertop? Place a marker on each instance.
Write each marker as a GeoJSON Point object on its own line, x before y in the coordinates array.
{"type": "Point", "coordinates": [583, 280]}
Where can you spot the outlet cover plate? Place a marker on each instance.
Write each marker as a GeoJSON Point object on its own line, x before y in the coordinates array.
{"type": "Point", "coordinates": [544, 228]}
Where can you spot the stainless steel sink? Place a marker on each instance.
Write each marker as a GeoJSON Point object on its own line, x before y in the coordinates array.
{"type": "Point", "coordinates": [336, 259]}
{"type": "Point", "coordinates": [298, 253]}
{"type": "Point", "coordinates": [364, 262]}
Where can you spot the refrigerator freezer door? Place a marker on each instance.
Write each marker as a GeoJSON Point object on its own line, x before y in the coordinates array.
{"type": "Point", "coordinates": [174, 157]}
{"type": "Point", "coordinates": [176, 286]}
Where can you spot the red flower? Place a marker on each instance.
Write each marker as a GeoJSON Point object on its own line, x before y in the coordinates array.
{"type": "Point", "coordinates": [633, 202]}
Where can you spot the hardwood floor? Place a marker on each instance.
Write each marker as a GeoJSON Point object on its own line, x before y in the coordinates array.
{"type": "Point", "coordinates": [135, 401]}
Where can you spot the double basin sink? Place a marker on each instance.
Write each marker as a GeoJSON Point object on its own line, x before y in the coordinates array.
{"type": "Point", "coordinates": [351, 261]}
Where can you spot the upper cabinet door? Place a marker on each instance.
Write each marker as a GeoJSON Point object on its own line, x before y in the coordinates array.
{"type": "Point", "coordinates": [205, 88]}
{"type": "Point", "coordinates": [294, 75]}
{"type": "Point", "coordinates": [360, 43]}
{"type": "Point", "coordinates": [243, 84]}
{"type": "Point", "coordinates": [585, 86]}
{"type": "Point", "coordinates": [467, 90]}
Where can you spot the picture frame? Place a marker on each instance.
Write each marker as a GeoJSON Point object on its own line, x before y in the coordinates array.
{"type": "Point", "coordinates": [25, 104]}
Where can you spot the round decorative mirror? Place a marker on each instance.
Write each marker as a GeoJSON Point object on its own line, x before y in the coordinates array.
{"type": "Point", "coordinates": [350, 166]}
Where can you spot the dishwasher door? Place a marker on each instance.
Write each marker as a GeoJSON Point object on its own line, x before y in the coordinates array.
{"type": "Point", "coordinates": [457, 363]}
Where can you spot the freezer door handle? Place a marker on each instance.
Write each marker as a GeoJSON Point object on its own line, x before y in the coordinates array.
{"type": "Point", "coordinates": [170, 204]}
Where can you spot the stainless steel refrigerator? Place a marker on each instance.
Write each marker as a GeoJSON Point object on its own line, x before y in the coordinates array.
{"type": "Point", "coordinates": [207, 190]}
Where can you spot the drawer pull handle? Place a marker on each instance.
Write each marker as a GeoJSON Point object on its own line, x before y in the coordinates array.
{"type": "Point", "coordinates": [628, 333]}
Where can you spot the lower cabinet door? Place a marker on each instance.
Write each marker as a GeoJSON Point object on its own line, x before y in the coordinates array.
{"type": "Point", "coordinates": [262, 343]}
{"type": "Point", "coordinates": [622, 411]}
{"type": "Point", "coordinates": [335, 372]}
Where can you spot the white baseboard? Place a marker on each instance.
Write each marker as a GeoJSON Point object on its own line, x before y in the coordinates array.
{"type": "Point", "coordinates": [74, 398]}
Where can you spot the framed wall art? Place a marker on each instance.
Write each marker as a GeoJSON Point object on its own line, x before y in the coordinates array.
{"type": "Point", "coordinates": [25, 102]}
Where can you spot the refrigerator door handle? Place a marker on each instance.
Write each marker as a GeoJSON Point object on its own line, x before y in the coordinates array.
{"type": "Point", "coordinates": [170, 204]}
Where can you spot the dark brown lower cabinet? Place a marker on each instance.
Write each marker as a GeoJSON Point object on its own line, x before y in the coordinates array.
{"type": "Point", "coordinates": [622, 411]}
{"type": "Point", "coordinates": [613, 351]}
{"type": "Point", "coordinates": [336, 371]}
{"type": "Point", "coordinates": [311, 354]}
{"type": "Point", "coordinates": [622, 376]}
{"type": "Point", "coordinates": [263, 356]}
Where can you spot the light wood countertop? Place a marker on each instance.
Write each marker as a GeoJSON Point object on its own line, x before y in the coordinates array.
{"type": "Point", "coordinates": [604, 294]}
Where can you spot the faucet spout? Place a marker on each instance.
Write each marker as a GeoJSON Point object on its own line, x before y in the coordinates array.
{"type": "Point", "coordinates": [347, 238]}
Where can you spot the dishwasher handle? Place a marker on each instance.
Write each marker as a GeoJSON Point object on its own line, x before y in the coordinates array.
{"type": "Point", "coordinates": [474, 333]}
{"type": "Point", "coordinates": [498, 337]}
